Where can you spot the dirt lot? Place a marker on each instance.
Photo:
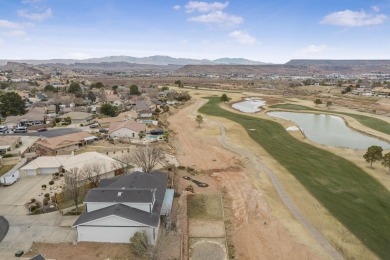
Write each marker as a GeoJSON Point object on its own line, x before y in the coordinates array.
{"type": "Point", "coordinates": [261, 224]}
{"type": "Point", "coordinates": [82, 251]}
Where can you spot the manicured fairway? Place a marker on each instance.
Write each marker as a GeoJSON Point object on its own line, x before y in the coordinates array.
{"type": "Point", "coordinates": [357, 200]}
{"type": "Point", "coordinates": [371, 122]}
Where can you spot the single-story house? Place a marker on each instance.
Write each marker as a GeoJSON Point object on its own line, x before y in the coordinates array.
{"type": "Point", "coordinates": [122, 206]}
{"type": "Point", "coordinates": [44, 165]}
{"type": "Point", "coordinates": [106, 167]}
{"type": "Point", "coordinates": [78, 117]}
{"type": "Point", "coordinates": [145, 114]}
{"type": "Point", "coordinates": [106, 121]}
{"type": "Point", "coordinates": [127, 129]}
{"type": "Point", "coordinates": [141, 105]}
{"type": "Point", "coordinates": [102, 165]}
{"type": "Point", "coordinates": [63, 143]}
{"type": "Point", "coordinates": [36, 114]}
{"type": "Point", "coordinates": [8, 143]}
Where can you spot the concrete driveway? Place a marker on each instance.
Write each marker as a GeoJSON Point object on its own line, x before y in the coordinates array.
{"type": "Point", "coordinates": [25, 229]}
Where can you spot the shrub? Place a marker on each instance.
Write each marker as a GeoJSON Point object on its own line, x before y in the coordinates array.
{"type": "Point", "coordinates": [190, 188]}
{"type": "Point", "coordinates": [44, 186]}
{"type": "Point", "coordinates": [32, 208]}
{"type": "Point", "coordinates": [81, 124]}
{"type": "Point", "coordinates": [61, 175]}
{"type": "Point", "coordinates": [36, 211]}
{"type": "Point", "coordinates": [140, 243]}
{"type": "Point", "coordinates": [47, 195]}
{"type": "Point", "coordinates": [189, 169]}
{"type": "Point", "coordinates": [56, 174]}
{"type": "Point", "coordinates": [8, 155]}
{"type": "Point", "coordinates": [32, 200]}
{"type": "Point", "coordinates": [181, 167]}
{"type": "Point", "coordinates": [51, 182]}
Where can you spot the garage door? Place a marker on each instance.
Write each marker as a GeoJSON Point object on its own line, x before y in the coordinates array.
{"type": "Point", "coordinates": [106, 234]}
{"type": "Point", "coordinates": [31, 173]}
{"type": "Point", "coordinates": [48, 170]}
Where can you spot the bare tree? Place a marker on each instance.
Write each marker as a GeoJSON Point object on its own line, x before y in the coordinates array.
{"type": "Point", "coordinates": [123, 162]}
{"type": "Point", "coordinates": [92, 172]}
{"type": "Point", "coordinates": [148, 157]}
{"type": "Point", "coordinates": [71, 180]}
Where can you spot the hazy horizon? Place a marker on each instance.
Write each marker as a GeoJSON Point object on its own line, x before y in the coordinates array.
{"type": "Point", "coordinates": [274, 32]}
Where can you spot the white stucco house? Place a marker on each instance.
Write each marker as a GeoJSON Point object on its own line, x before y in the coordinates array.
{"type": "Point", "coordinates": [44, 165]}
{"type": "Point", "coordinates": [127, 129]}
{"type": "Point", "coordinates": [122, 206]}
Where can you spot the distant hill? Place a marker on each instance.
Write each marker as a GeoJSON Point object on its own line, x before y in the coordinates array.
{"type": "Point", "coordinates": [22, 68]}
{"type": "Point", "coordinates": [338, 62]}
{"type": "Point", "coordinates": [152, 60]}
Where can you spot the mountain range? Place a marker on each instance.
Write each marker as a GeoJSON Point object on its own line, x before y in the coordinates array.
{"type": "Point", "coordinates": [151, 60]}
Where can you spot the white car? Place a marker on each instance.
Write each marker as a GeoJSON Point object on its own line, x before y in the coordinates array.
{"type": "Point", "coordinates": [20, 129]}
{"type": "Point", "coordinates": [3, 129]}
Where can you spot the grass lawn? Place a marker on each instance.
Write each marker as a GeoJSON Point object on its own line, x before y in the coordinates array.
{"type": "Point", "coordinates": [5, 168]}
{"type": "Point", "coordinates": [205, 206]}
{"type": "Point", "coordinates": [357, 200]}
{"type": "Point", "coordinates": [371, 122]}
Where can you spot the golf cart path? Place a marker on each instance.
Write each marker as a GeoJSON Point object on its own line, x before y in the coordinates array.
{"type": "Point", "coordinates": [281, 192]}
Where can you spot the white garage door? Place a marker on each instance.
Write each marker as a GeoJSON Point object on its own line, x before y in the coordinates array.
{"type": "Point", "coordinates": [106, 234]}
{"type": "Point", "coordinates": [48, 170]}
{"type": "Point", "coordinates": [31, 173]}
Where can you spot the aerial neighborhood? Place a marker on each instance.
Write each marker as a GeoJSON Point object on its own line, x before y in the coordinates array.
{"type": "Point", "coordinates": [119, 161]}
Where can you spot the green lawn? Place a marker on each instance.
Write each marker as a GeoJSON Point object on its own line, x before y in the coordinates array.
{"type": "Point", "coordinates": [357, 200]}
{"type": "Point", "coordinates": [371, 122]}
{"type": "Point", "coordinates": [5, 168]}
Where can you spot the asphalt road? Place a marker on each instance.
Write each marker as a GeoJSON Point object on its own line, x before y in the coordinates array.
{"type": "Point", "coordinates": [50, 132]}
{"type": "Point", "coordinates": [4, 226]}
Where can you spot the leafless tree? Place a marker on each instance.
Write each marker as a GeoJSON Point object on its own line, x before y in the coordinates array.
{"type": "Point", "coordinates": [147, 157]}
{"type": "Point", "coordinates": [123, 162]}
{"type": "Point", "coordinates": [92, 172]}
{"type": "Point", "coordinates": [71, 180]}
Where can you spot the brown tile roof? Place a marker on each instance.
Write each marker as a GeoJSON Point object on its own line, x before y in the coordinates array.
{"type": "Point", "coordinates": [111, 119]}
{"type": "Point", "coordinates": [137, 127]}
{"type": "Point", "coordinates": [8, 140]}
{"type": "Point", "coordinates": [54, 143]}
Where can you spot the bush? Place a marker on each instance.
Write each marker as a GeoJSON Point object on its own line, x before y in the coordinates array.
{"type": "Point", "coordinates": [47, 195]}
{"type": "Point", "coordinates": [190, 188]}
{"type": "Point", "coordinates": [46, 201]}
{"type": "Point", "coordinates": [8, 155]}
{"type": "Point", "coordinates": [81, 124]}
{"type": "Point", "coordinates": [56, 174]}
{"type": "Point", "coordinates": [44, 186]}
{"type": "Point", "coordinates": [32, 200]}
{"type": "Point", "coordinates": [51, 182]}
{"type": "Point", "coordinates": [181, 167]}
{"type": "Point", "coordinates": [61, 175]}
{"type": "Point", "coordinates": [36, 211]}
{"type": "Point", "coordinates": [140, 243]}
{"type": "Point", "coordinates": [33, 207]}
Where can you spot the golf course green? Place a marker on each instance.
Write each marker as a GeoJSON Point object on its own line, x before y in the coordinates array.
{"type": "Point", "coordinates": [356, 199]}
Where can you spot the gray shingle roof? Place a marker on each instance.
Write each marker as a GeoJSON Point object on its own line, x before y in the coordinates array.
{"type": "Point", "coordinates": [120, 210]}
{"type": "Point", "coordinates": [131, 183]}
{"type": "Point", "coordinates": [119, 195]}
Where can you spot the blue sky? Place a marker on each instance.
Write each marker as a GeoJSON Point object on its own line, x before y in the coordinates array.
{"type": "Point", "coordinates": [264, 30]}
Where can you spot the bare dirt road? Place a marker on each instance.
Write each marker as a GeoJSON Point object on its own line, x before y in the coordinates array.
{"type": "Point", "coordinates": [262, 226]}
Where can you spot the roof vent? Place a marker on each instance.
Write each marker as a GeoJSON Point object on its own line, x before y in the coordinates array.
{"type": "Point", "coordinates": [119, 194]}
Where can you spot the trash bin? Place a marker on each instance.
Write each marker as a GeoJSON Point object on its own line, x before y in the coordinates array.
{"type": "Point", "coordinates": [19, 253]}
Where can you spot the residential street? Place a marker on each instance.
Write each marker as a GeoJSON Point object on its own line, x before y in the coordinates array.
{"type": "Point", "coordinates": [50, 132]}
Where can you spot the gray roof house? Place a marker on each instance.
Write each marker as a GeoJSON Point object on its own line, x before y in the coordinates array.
{"type": "Point", "coordinates": [122, 206]}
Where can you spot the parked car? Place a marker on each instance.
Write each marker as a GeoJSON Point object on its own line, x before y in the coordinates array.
{"type": "Point", "coordinates": [103, 130]}
{"type": "Point", "coordinates": [42, 129]}
{"type": "Point", "coordinates": [20, 129]}
{"type": "Point", "coordinates": [3, 129]}
{"type": "Point", "coordinates": [95, 125]}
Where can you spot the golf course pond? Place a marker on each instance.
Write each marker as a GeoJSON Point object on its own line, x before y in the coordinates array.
{"type": "Point", "coordinates": [330, 130]}
{"type": "Point", "coordinates": [249, 105]}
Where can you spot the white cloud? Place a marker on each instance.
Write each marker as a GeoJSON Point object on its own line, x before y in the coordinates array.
{"type": "Point", "coordinates": [205, 7]}
{"type": "Point", "coordinates": [15, 33]}
{"type": "Point", "coordinates": [375, 8]}
{"type": "Point", "coordinates": [353, 19]}
{"type": "Point", "coordinates": [8, 24]}
{"type": "Point", "coordinates": [176, 7]}
{"type": "Point", "coordinates": [36, 16]}
{"type": "Point", "coordinates": [314, 49]}
{"type": "Point", "coordinates": [243, 37]}
{"type": "Point", "coordinates": [218, 17]}
{"type": "Point", "coordinates": [31, 1]}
